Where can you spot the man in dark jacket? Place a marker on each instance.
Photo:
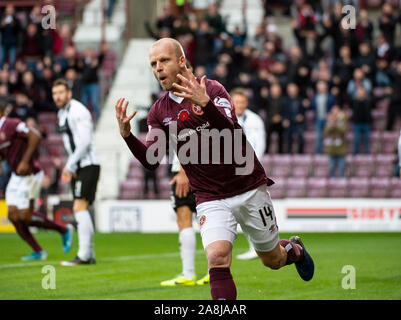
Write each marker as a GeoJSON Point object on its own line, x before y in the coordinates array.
{"type": "Point", "coordinates": [293, 118]}
{"type": "Point", "coordinates": [274, 119]}
{"type": "Point", "coordinates": [394, 110]}
{"type": "Point", "coordinates": [9, 29]}
{"type": "Point", "coordinates": [362, 119]}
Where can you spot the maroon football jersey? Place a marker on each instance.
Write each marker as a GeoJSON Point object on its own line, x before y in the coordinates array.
{"type": "Point", "coordinates": [211, 181]}
{"type": "Point", "coordinates": [14, 142]}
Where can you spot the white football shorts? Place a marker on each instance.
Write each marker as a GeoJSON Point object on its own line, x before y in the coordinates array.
{"type": "Point", "coordinates": [253, 210]}
{"type": "Point", "coordinates": [21, 189]}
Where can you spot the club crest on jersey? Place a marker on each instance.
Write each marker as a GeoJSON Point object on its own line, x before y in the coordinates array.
{"type": "Point", "coordinates": [197, 110]}
{"type": "Point", "coordinates": [202, 220]}
{"type": "Point", "coordinates": [183, 115]}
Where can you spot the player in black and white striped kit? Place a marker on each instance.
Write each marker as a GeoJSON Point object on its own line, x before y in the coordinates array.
{"type": "Point", "coordinates": [82, 168]}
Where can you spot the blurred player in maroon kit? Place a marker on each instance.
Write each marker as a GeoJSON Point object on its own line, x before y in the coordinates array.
{"type": "Point", "coordinates": [18, 145]}
{"type": "Point", "coordinates": [224, 196]}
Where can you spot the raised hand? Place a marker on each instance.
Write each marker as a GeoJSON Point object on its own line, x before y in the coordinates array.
{"type": "Point", "coordinates": [191, 89]}
{"type": "Point", "coordinates": [122, 118]}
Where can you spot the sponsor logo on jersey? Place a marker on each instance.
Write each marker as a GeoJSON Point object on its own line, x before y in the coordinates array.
{"type": "Point", "coordinates": [166, 121]}
{"type": "Point", "coordinates": [183, 115]}
{"type": "Point", "coordinates": [197, 110]}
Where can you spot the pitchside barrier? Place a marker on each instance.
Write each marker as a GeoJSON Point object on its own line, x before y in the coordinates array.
{"type": "Point", "coordinates": [293, 215]}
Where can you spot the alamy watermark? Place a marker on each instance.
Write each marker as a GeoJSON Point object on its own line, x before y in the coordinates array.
{"type": "Point", "coordinates": [49, 280]}
{"type": "Point", "coordinates": [349, 280]}
{"type": "Point", "coordinates": [210, 146]}
{"type": "Point", "coordinates": [49, 20]}
{"type": "Point", "coordinates": [349, 20]}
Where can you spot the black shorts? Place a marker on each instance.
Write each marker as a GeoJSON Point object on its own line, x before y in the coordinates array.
{"type": "Point", "coordinates": [84, 185]}
{"type": "Point", "coordinates": [177, 202]}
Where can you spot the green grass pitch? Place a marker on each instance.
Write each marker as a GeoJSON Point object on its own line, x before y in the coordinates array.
{"type": "Point", "coordinates": [131, 266]}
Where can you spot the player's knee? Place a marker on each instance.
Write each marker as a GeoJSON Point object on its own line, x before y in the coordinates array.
{"type": "Point", "coordinates": [13, 214]}
{"type": "Point", "coordinates": [217, 258]}
{"type": "Point", "coordinates": [80, 205]}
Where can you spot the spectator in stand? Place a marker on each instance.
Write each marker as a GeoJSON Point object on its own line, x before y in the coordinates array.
{"type": "Point", "coordinates": [321, 103]}
{"type": "Point", "coordinates": [382, 78]}
{"type": "Point", "coordinates": [23, 108]}
{"type": "Point", "coordinates": [305, 29]}
{"type": "Point", "coordinates": [362, 118]}
{"type": "Point", "coordinates": [343, 68]}
{"type": "Point", "coordinates": [335, 140]}
{"type": "Point", "coordinates": [215, 20]}
{"type": "Point", "coordinates": [387, 23]}
{"type": "Point", "coordinates": [358, 81]}
{"type": "Point", "coordinates": [204, 40]}
{"type": "Point", "coordinates": [166, 19]}
{"type": "Point", "coordinates": [32, 46]}
{"type": "Point", "coordinates": [384, 49]}
{"type": "Point", "coordinates": [274, 117]}
{"type": "Point", "coordinates": [74, 83]}
{"type": "Point", "coordinates": [10, 30]}
{"type": "Point", "coordinates": [90, 79]}
{"type": "Point", "coordinates": [366, 60]}
{"type": "Point", "coordinates": [298, 70]}
{"type": "Point", "coordinates": [30, 88]}
{"type": "Point", "coordinates": [364, 28]}
{"type": "Point", "coordinates": [394, 110]}
{"type": "Point", "coordinates": [294, 118]}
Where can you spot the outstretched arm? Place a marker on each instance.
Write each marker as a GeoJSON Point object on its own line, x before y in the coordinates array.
{"type": "Point", "coordinates": [137, 148]}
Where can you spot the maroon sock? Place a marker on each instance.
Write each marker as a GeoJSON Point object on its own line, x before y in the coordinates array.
{"type": "Point", "coordinates": [41, 221]}
{"type": "Point", "coordinates": [295, 252]}
{"type": "Point", "coordinates": [26, 235]}
{"type": "Point", "coordinates": [222, 285]}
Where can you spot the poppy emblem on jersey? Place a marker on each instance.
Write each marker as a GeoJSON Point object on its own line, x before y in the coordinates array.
{"type": "Point", "coordinates": [197, 110]}
{"type": "Point", "coordinates": [202, 220]}
{"type": "Point", "coordinates": [183, 115]}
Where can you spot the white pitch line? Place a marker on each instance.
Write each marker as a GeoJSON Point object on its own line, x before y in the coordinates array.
{"type": "Point", "coordinates": [111, 259]}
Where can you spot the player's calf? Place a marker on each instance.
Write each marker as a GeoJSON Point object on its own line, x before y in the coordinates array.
{"type": "Point", "coordinates": [274, 259]}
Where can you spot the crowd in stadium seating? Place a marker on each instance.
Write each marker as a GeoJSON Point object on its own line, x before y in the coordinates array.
{"type": "Point", "coordinates": [31, 58]}
{"type": "Point", "coordinates": [330, 65]}
{"type": "Point", "coordinates": [331, 103]}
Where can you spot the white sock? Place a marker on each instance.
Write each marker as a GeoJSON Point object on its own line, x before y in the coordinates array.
{"type": "Point", "coordinates": [85, 235]}
{"type": "Point", "coordinates": [187, 241]}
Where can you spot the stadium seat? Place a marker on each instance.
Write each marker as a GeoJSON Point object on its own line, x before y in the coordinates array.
{"type": "Point", "coordinates": [131, 189]}
{"type": "Point", "coordinates": [379, 118]}
{"type": "Point", "coordinates": [266, 162]}
{"type": "Point", "coordinates": [375, 138]}
{"type": "Point", "coordinates": [320, 166]}
{"type": "Point", "coordinates": [135, 173]}
{"type": "Point", "coordinates": [395, 188]}
{"type": "Point", "coordinates": [296, 188]}
{"type": "Point", "coordinates": [389, 142]}
{"type": "Point", "coordinates": [316, 187]}
{"type": "Point", "coordinates": [363, 165]}
{"type": "Point", "coordinates": [310, 120]}
{"type": "Point", "coordinates": [301, 165]}
{"type": "Point", "coordinates": [379, 188]}
{"type": "Point", "coordinates": [385, 165]}
{"type": "Point", "coordinates": [277, 190]}
{"type": "Point", "coordinates": [281, 166]}
{"type": "Point", "coordinates": [350, 142]}
{"type": "Point", "coordinates": [310, 142]}
{"type": "Point", "coordinates": [358, 187]}
{"type": "Point", "coordinates": [337, 188]}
